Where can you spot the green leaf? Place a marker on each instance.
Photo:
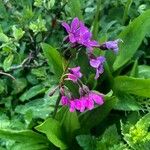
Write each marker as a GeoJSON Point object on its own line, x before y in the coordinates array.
{"type": "Point", "coordinates": [29, 146]}
{"type": "Point", "coordinates": [39, 108]}
{"type": "Point", "coordinates": [2, 87]}
{"type": "Point", "coordinates": [22, 136]}
{"type": "Point", "coordinates": [132, 37]}
{"type": "Point", "coordinates": [75, 6]}
{"type": "Point", "coordinates": [3, 13]}
{"type": "Point", "coordinates": [53, 131]}
{"type": "Point", "coordinates": [91, 118]}
{"type": "Point", "coordinates": [54, 58]}
{"type": "Point", "coordinates": [69, 122]}
{"type": "Point", "coordinates": [87, 142]}
{"type": "Point", "coordinates": [134, 70]}
{"type": "Point", "coordinates": [137, 135]}
{"type": "Point", "coordinates": [136, 86]}
{"type": "Point", "coordinates": [109, 138]}
{"type": "Point", "coordinates": [127, 102]}
{"type": "Point", "coordinates": [17, 33]}
{"type": "Point", "coordinates": [3, 38]}
{"type": "Point", "coordinates": [8, 62]}
{"type": "Point", "coordinates": [38, 89]}
{"type": "Point", "coordinates": [144, 71]}
{"type": "Point", "coordinates": [19, 85]}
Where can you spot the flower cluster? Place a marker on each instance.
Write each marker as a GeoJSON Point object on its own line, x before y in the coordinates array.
{"type": "Point", "coordinates": [83, 103]}
{"type": "Point", "coordinates": [87, 98]}
{"type": "Point", "coordinates": [79, 34]}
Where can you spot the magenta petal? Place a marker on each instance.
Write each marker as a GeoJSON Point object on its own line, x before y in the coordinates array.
{"type": "Point", "coordinates": [64, 100]}
{"type": "Point", "coordinates": [72, 78]}
{"type": "Point", "coordinates": [89, 103]}
{"type": "Point", "coordinates": [76, 72]}
{"type": "Point", "coordinates": [97, 98]}
{"type": "Point", "coordinates": [66, 26]}
{"type": "Point", "coordinates": [75, 24]}
{"type": "Point", "coordinates": [72, 106]}
{"type": "Point", "coordinates": [72, 38]}
{"type": "Point", "coordinates": [80, 105]}
{"type": "Point", "coordinates": [94, 43]}
{"type": "Point", "coordinates": [94, 63]}
{"type": "Point", "coordinates": [97, 74]}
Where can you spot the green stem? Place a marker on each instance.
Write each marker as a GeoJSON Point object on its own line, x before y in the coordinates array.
{"type": "Point", "coordinates": [56, 106]}
{"type": "Point", "coordinates": [126, 11]}
{"type": "Point", "coordinates": [96, 20]}
{"type": "Point", "coordinates": [60, 84]}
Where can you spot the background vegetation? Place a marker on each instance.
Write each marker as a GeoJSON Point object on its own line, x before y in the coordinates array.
{"type": "Point", "coordinates": [30, 38]}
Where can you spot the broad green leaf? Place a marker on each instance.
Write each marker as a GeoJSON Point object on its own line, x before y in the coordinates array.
{"type": "Point", "coordinates": [93, 117]}
{"type": "Point", "coordinates": [75, 6]}
{"type": "Point", "coordinates": [87, 142]}
{"type": "Point", "coordinates": [8, 62]}
{"type": "Point", "coordinates": [127, 102]}
{"type": "Point", "coordinates": [22, 136]}
{"type": "Point", "coordinates": [39, 108]}
{"type": "Point", "coordinates": [69, 122]}
{"type": "Point", "coordinates": [136, 86]}
{"type": "Point", "coordinates": [144, 71]}
{"type": "Point", "coordinates": [38, 89]}
{"type": "Point", "coordinates": [29, 146]}
{"type": "Point", "coordinates": [53, 131]}
{"type": "Point", "coordinates": [132, 37]}
{"type": "Point", "coordinates": [54, 58]}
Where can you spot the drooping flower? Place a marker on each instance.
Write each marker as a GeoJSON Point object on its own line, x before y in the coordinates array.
{"type": "Point", "coordinates": [112, 45]}
{"type": "Point", "coordinates": [64, 100]}
{"type": "Point", "coordinates": [72, 106]}
{"type": "Point", "coordinates": [97, 63]}
{"type": "Point", "coordinates": [97, 98]}
{"type": "Point", "coordinates": [83, 103]}
{"type": "Point", "coordinates": [74, 74]}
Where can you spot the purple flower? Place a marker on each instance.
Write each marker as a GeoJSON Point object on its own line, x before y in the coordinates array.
{"type": "Point", "coordinates": [97, 63]}
{"type": "Point", "coordinates": [97, 98]}
{"type": "Point", "coordinates": [64, 100]}
{"type": "Point", "coordinates": [84, 38]}
{"type": "Point", "coordinates": [72, 106]}
{"type": "Point", "coordinates": [74, 74]}
{"type": "Point", "coordinates": [78, 33]}
{"type": "Point", "coordinates": [113, 45]}
{"type": "Point", "coordinates": [80, 104]}
{"type": "Point", "coordinates": [73, 29]}
{"type": "Point", "coordinates": [89, 103]}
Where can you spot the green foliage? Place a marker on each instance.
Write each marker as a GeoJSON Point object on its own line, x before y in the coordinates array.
{"type": "Point", "coordinates": [91, 117]}
{"type": "Point", "coordinates": [137, 135]}
{"type": "Point", "coordinates": [111, 140]}
{"type": "Point", "coordinates": [33, 59]}
{"type": "Point", "coordinates": [53, 131]}
{"type": "Point", "coordinates": [54, 58]}
{"type": "Point", "coordinates": [132, 37]}
{"type": "Point", "coordinates": [87, 142]}
{"type": "Point", "coordinates": [136, 86]}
